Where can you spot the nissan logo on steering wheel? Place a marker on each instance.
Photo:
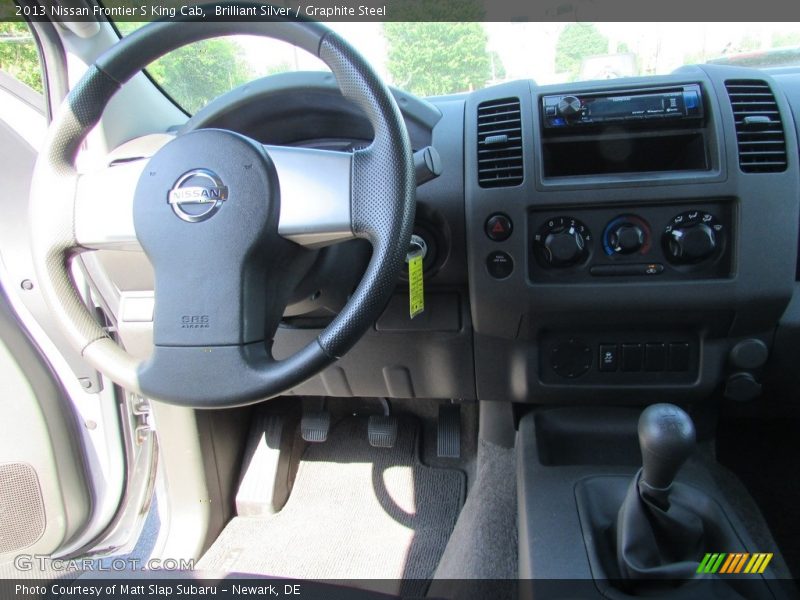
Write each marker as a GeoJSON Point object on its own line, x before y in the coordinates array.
{"type": "Point", "coordinates": [197, 195]}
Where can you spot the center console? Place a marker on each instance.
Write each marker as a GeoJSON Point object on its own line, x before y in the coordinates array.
{"type": "Point", "coordinates": [625, 236]}
{"type": "Point", "coordinates": [614, 503]}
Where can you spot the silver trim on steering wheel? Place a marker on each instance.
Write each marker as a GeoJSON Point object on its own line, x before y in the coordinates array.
{"type": "Point", "coordinates": [315, 188]}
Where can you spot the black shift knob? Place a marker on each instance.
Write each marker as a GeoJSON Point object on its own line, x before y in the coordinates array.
{"type": "Point", "coordinates": [666, 438]}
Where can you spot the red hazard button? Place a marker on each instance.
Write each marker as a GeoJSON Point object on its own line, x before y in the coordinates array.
{"type": "Point", "coordinates": [498, 227]}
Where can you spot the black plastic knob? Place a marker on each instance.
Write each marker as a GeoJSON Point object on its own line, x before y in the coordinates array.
{"type": "Point", "coordinates": [742, 387]}
{"type": "Point", "coordinates": [627, 238]}
{"type": "Point", "coordinates": [666, 439]}
{"type": "Point", "coordinates": [749, 354]}
{"type": "Point", "coordinates": [569, 106]}
{"type": "Point", "coordinates": [691, 244]}
{"type": "Point", "coordinates": [564, 248]}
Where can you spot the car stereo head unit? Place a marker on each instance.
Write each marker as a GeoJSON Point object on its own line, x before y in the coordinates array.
{"type": "Point", "coordinates": [624, 107]}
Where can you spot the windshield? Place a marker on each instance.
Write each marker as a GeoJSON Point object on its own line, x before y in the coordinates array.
{"type": "Point", "coordinates": [446, 58]}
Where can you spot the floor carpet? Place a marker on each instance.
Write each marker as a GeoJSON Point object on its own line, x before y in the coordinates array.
{"type": "Point", "coordinates": [355, 513]}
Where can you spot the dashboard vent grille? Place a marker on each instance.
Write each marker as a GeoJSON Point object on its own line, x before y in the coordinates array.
{"type": "Point", "coordinates": [759, 130]}
{"type": "Point", "coordinates": [500, 143]}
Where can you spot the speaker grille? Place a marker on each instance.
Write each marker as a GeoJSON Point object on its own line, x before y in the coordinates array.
{"type": "Point", "coordinates": [21, 507]}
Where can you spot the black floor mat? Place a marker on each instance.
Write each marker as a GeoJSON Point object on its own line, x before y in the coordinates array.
{"type": "Point", "coordinates": [765, 455]}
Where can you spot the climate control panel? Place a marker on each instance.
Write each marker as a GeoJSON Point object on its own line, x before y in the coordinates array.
{"type": "Point", "coordinates": [668, 241]}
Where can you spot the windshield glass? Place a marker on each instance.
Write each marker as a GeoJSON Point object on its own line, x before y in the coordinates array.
{"type": "Point", "coordinates": [446, 58]}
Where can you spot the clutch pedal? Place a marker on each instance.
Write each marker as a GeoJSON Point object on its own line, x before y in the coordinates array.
{"type": "Point", "coordinates": [316, 423]}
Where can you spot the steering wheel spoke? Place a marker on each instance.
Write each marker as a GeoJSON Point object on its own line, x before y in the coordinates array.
{"type": "Point", "coordinates": [316, 193]}
{"type": "Point", "coordinates": [315, 207]}
{"type": "Point", "coordinates": [104, 207]}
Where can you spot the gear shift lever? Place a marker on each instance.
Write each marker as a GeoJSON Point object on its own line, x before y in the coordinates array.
{"type": "Point", "coordinates": [659, 534]}
{"type": "Point", "coordinates": [663, 527]}
{"type": "Point", "coordinates": [666, 439]}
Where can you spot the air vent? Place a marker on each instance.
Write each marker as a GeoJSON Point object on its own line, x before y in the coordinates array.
{"type": "Point", "coordinates": [499, 143]}
{"type": "Point", "coordinates": [759, 130]}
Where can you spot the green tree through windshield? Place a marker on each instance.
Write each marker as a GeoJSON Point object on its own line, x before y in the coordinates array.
{"type": "Point", "coordinates": [18, 55]}
{"type": "Point", "coordinates": [576, 42]}
{"type": "Point", "coordinates": [196, 74]}
{"type": "Point", "coordinates": [439, 58]}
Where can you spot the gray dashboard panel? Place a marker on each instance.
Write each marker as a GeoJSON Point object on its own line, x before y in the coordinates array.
{"type": "Point", "coordinates": [511, 315]}
{"type": "Point", "coordinates": [501, 350]}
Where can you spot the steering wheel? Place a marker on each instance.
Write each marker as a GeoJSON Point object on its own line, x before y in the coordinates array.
{"type": "Point", "coordinates": [222, 219]}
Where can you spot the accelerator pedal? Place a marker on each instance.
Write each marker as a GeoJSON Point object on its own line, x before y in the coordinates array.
{"type": "Point", "coordinates": [382, 429]}
{"type": "Point", "coordinates": [448, 431]}
{"type": "Point", "coordinates": [316, 422]}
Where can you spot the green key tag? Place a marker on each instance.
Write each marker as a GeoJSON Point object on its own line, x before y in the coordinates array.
{"type": "Point", "coordinates": [416, 289]}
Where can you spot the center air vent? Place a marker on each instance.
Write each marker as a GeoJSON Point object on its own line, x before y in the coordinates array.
{"type": "Point", "coordinates": [499, 143]}
{"type": "Point", "coordinates": [759, 130]}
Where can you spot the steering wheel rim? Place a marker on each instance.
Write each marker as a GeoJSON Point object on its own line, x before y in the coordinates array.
{"type": "Point", "coordinates": [240, 370]}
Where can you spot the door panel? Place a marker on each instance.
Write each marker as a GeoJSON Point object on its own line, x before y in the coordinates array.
{"type": "Point", "coordinates": [44, 494]}
{"type": "Point", "coordinates": [65, 485]}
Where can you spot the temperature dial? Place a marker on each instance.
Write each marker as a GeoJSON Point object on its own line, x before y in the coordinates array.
{"type": "Point", "coordinates": [692, 237]}
{"type": "Point", "coordinates": [562, 242]}
{"type": "Point", "coordinates": [627, 234]}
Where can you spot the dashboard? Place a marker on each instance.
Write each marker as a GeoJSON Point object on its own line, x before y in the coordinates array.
{"type": "Point", "coordinates": [623, 240]}
{"type": "Point", "coordinates": [649, 247]}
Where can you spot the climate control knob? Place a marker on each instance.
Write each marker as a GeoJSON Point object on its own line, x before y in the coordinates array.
{"type": "Point", "coordinates": [627, 238]}
{"type": "Point", "coordinates": [626, 234]}
{"type": "Point", "coordinates": [691, 244]}
{"type": "Point", "coordinates": [692, 237]}
{"type": "Point", "coordinates": [562, 248]}
{"type": "Point", "coordinates": [562, 242]}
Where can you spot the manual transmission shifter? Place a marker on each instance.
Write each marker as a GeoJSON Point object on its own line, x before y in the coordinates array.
{"type": "Point", "coordinates": [666, 439]}
{"type": "Point", "coordinates": [659, 535]}
{"type": "Point", "coordinates": [658, 528]}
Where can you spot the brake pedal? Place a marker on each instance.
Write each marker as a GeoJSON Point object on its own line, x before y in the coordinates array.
{"type": "Point", "coordinates": [382, 429]}
{"type": "Point", "coordinates": [448, 431]}
{"type": "Point", "coordinates": [315, 424]}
